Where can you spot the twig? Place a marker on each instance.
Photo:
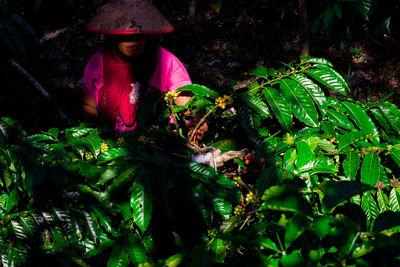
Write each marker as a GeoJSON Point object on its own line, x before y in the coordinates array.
{"type": "Point", "coordinates": [199, 123]}
{"type": "Point", "coordinates": [36, 84]}
{"type": "Point", "coordinates": [171, 108]}
{"type": "Point", "coordinates": [52, 35]}
{"type": "Point", "coordinates": [245, 83]}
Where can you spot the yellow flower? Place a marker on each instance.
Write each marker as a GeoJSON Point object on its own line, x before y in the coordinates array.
{"type": "Point", "coordinates": [223, 101]}
{"type": "Point", "coordinates": [170, 95]}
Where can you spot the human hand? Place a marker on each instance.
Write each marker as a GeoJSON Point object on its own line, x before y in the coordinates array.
{"type": "Point", "coordinates": [197, 124]}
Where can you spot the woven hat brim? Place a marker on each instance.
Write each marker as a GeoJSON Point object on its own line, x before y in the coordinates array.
{"type": "Point", "coordinates": [129, 17]}
{"type": "Point", "coordinates": [127, 31]}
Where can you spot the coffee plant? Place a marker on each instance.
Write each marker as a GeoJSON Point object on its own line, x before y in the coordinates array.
{"type": "Point", "coordinates": [291, 172]}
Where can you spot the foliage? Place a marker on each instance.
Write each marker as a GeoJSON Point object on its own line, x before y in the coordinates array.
{"type": "Point", "coordinates": [16, 33]}
{"type": "Point", "coordinates": [344, 18]}
{"type": "Point", "coordinates": [318, 185]}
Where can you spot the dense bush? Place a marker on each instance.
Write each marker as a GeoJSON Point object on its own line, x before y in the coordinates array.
{"type": "Point", "coordinates": [312, 181]}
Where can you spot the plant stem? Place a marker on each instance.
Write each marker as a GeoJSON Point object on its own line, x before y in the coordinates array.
{"type": "Point", "coordinates": [200, 122]}
{"type": "Point", "coordinates": [171, 108]}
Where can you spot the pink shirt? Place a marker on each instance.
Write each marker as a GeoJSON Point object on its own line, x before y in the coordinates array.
{"type": "Point", "coordinates": [169, 75]}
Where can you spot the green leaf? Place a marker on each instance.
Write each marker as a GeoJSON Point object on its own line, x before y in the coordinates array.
{"type": "Point", "coordinates": [337, 7]}
{"type": "Point", "coordinates": [257, 105]}
{"type": "Point", "coordinates": [112, 154]}
{"type": "Point", "coordinates": [200, 90]}
{"type": "Point", "coordinates": [292, 259]}
{"type": "Point", "coordinates": [305, 160]}
{"type": "Point", "coordinates": [313, 90]}
{"type": "Point", "coordinates": [174, 260]}
{"type": "Point", "coordinates": [136, 251]}
{"type": "Point", "coordinates": [322, 226]}
{"type": "Point", "coordinates": [279, 107]}
{"type": "Point", "coordinates": [109, 173]}
{"type": "Point", "coordinates": [141, 203]}
{"type": "Point", "coordinates": [369, 206]}
{"type": "Point", "coordinates": [260, 71]}
{"type": "Point", "coordinates": [222, 206]}
{"type": "Point", "coordinates": [294, 228]}
{"type": "Point", "coordinates": [92, 226]}
{"type": "Point", "coordinates": [118, 257]}
{"type": "Point", "coordinates": [218, 246]}
{"type": "Point", "coordinates": [105, 221]}
{"type": "Point", "coordinates": [324, 165]}
{"type": "Point", "coordinates": [18, 230]}
{"type": "Point", "coordinates": [339, 119]}
{"type": "Point", "coordinates": [327, 146]}
{"type": "Point", "coordinates": [79, 131]}
{"type": "Point", "coordinates": [120, 181]}
{"type": "Point", "coordinates": [351, 164]}
{"type": "Point", "coordinates": [370, 169]}
{"type": "Point", "coordinates": [93, 142]}
{"type": "Point", "coordinates": [206, 171]}
{"type": "Point", "coordinates": [386, 221]}
{"type": "Point", "coordinates": [395, 154]}
{"type": "Point", "coordinates": [383, 201]}
{"type": "Point", "coordinates": [248, 119]}
{"type": "Point", "coordinates": [378, 114]}
{"type": "Point", "coordinates": [319, 61]}
{"type": "Point", "coordinates": [352, 138]}
{"type": "Point", "coordinates": [299, 102]}
{"type": "Point", "coordinates": [40, 138]}
{"type": "Point", "coordinates": [361, 118]}
{"type": "Point", "coordinates": [329, 77]}
{"type": "Point", "coordinates": [336, 192]}
{"type": "Point", "coordinates": [284, 198]}
{"type": "Point", "coordinates": [392, 114]}
{"type": "Point", "coordinates": [394, 199]}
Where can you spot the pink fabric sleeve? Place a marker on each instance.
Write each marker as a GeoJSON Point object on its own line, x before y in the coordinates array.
{"type": "Point", "coordinates": [170, 73]}
{"type": "Point", "coordinates": [93, 75]}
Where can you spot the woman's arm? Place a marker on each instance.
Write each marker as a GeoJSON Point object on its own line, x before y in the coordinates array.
{"type": "Point", "coordinates": [89, 110]}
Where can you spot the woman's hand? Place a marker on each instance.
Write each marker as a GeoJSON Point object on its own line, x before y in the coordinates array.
{"type": "Point", "coordinates": [192, 123]}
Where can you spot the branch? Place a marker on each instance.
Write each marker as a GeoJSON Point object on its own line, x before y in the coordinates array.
{"type": "Point", "coordinates": [36, 84]}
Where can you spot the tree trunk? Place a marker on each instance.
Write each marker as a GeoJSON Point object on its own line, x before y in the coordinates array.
{"type": "Point", "coordinates": [303, 29]}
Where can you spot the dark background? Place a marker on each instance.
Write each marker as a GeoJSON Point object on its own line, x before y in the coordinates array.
{"type": "Point", "coordinates": [217, 48]}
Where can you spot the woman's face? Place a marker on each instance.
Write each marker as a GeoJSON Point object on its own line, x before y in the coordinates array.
{"type": "Point", "coordinates": [131, 45]}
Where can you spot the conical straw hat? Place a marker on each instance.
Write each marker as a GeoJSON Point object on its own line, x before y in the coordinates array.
{"type": "Point", "coordinates": [129, 17]}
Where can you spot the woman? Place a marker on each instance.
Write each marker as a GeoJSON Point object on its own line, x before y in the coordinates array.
{"type": "Point", "coordinates": [130, 66]}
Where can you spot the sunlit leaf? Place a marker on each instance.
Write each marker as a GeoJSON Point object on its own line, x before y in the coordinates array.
{"type": "Point", "coordinates": [383, 201]}
{"type": "Point", "coordinates": [305, 160]}
{"type": "Point", "coordinates": [136, 251]}
{"type": "Point", "coordinates": [141, 203]}
{"type": "Point", "coordinates": [369, 206]}
{"type": "Point", "coordinates": [351, 164]}
{"type": "Point", "coordinates": [394, 199]}
{"type": "Point", "coordinates": [199, 90]}
{"type": "Point", "coordinates": [370, 169]}
{"type": "Point", "coordinates": [299, 102]}
{"type": "Point", "coordinates": [340, 119]}
{"type": "Point", "coordinates": [392, 114]}
{"type": "Point", "coordinates": [330, 78]}
{"type": "Point", "coordinates": [361, 118]}
{"type": "Point", "coordinates": [313, 90]}
{"type": "Point", "coordinates": [279, 107]}
{"type": "Point", "coordinates": [118, 257]}
{"type": "Point", "coordinates": [257, 105]}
